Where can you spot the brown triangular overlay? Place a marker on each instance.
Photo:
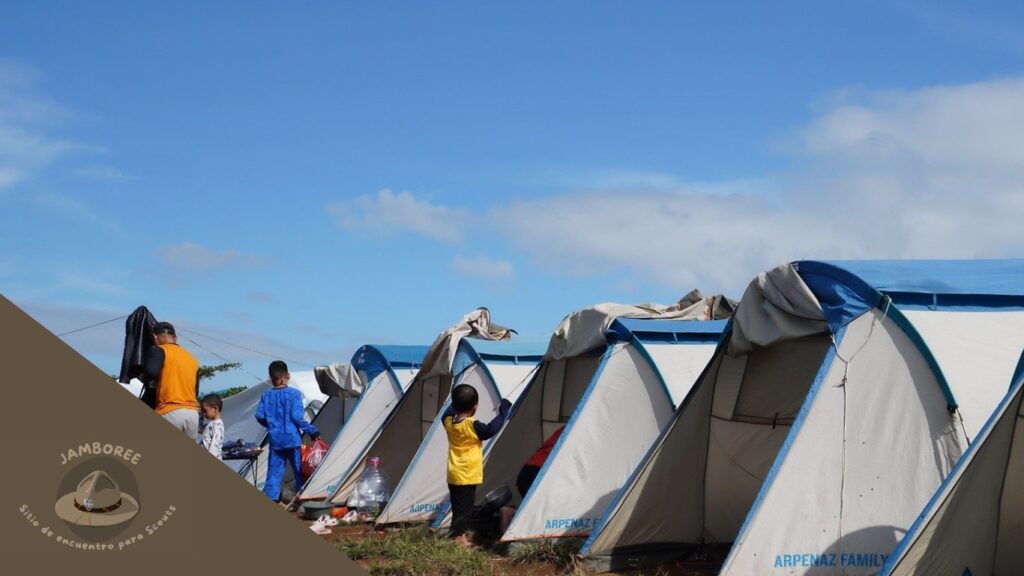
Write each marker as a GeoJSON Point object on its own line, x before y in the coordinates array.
{"type": "Point", "coordinates": [63, 418]}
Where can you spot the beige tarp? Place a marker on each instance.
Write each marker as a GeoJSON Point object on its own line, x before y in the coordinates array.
{"type": "Point", "coordinates": [339, 380]}
{"type": "Point", "coordinates": [777, 305]}
{"type": "Point", "coordinates": [586, 329]}
{"type": "Point", "coordinates": [476, 324]}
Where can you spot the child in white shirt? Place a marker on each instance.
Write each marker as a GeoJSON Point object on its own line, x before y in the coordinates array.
{"type": "Point", "coordinates": [213, 435]}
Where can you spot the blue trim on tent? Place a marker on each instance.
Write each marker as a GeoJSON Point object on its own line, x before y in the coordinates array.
{"type": "Point", "coordinates": [565, 432]}
{"type": "Point", "coordinates": [338, 433]}
{"type": "Point", "coordinates": [423, 445]}
{"type": "Point", "coordinates": [794, 430]}
{"type": "Point", "coordinates": [374, 360]}
{"type": "Point", "coordinates": [1018, 372]}
{"type": "Point", "coordinates": [442, 513]}
{"type": "Point", "coordinates": [515, 351]}
{"type": "Point", "coordinates": [472, 352]}
{"type": "Point", "coordinates": [622, 492]}
{"type": "Point", "coordinates": [674, 331]}
{"type": "Point", "coordinates": [654, 366]}
{"type": "Point", "coordinates": [846, 289]}
{"type": "Point", "coordinates": [580, 406]}
{"type": "Point", "coordinates": [842, 295]}
{"type": "Point", "coordinates": [957, 302]}
{"type": "Point", "coordinates": [995, 277]}
{"type": "Point", "coordinates": [908, 328]}
{"type": "Point", "coordinates": [941, 492]}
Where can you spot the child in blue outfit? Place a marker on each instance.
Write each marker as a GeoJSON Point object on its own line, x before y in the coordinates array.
{"type": "Point", "coordinates": [280, 411]}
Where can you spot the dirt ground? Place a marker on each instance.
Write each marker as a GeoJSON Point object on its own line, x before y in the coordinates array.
{"type": "Point", "coordinates": [349, 532]}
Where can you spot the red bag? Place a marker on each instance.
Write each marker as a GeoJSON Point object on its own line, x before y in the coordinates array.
{"type": "Point", "coordinates": [312, 455]}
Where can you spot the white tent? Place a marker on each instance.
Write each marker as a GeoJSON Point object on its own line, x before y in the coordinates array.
{"type": "Point", "coordinates": [497, 369]}
{"type": "Point", "coordinates": [975, 522]}
{"type": "Point", "coordinates": [134, 387]}
{"type": "Point", "coordinates": [826, 418]}
{"type": "Point", "coordinates": [613, 381]}
{"type": "Point", "coordinates": [386, 372]}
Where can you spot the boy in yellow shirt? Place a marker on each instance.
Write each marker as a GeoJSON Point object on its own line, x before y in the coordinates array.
{"type": "Point", "coordinates": [465, 453]}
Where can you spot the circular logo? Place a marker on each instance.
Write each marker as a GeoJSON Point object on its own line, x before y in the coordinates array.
{"type": "Point", "coordinates": [98, 499]}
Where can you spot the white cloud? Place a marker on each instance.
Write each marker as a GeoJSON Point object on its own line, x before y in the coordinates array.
{"type": "Point", "coordinates": [71, 206]}
{"type": "Point", "coordinates": [26, 146]}
{"type": "Point", "coordinates": [930, 173]}
{"type": "Point", "coordinates": [482, 268]}
{"type": "Point", "coordinates": [388, 213]}
{"type": "Point", "coordinates": [190, 257]}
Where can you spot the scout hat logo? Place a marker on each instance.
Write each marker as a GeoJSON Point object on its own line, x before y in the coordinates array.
{"type": "Point", "coordinates": [98, 501]}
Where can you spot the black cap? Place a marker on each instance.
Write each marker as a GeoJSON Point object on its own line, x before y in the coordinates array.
{"type": "Point", "coordinates": [164, 328]}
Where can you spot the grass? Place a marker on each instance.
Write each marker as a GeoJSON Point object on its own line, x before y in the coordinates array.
{"type": "Point", "coordinates": [561, 554]}
{"type": "Point", "coordinates": [416, 552]}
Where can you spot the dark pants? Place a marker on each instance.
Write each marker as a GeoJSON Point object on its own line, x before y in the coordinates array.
{"type": "Point", "coordinates": [462, 498]}
{"type": "Point", "coordinates": [526, 477]}
{"type": "Point", "coordinates": [275, 471]}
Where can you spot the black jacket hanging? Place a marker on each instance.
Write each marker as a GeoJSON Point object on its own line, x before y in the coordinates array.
{"type": "Point", "coordinates": [138, 339]}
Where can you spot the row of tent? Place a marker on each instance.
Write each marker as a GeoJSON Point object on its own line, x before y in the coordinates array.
{"type": "Point", "coordinates": [848, 418]}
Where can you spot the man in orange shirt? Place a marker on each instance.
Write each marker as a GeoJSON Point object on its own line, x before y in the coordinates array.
{"type": "Point", "coordinates": [176, 373]}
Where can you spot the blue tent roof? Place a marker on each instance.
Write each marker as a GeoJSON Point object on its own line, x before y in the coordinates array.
{"type": "Point", "coordinates": [846, 289]}
{"type": "Point", "coordinates": [650, 329]}
{"type": "Point", "coordinates": [976, 277]}
{"type": "Point", "coordinates": [374, 359]}
{"type": "Point", "coordinates": [528, 349]}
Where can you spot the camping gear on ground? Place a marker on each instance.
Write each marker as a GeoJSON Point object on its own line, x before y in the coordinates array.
{"type": "Point", "coordinates": [372, 490]}
{"type": "Point", "coordinates": [841, 392]}
{"type": "Point", "coordinates": [975, 522]}
{"type": "Point", "coordinates": [485, 519]}
{"type": "Point", "coordinates": [323, 524]}
{"type": "Point", "coordinates": [314, 509]}
{"type": "Point", "coordinates": [312, 454]}
{"type": "Point", "coordinates": [239, 450]}
{"type": "Point", "coordinates": [497, 498]}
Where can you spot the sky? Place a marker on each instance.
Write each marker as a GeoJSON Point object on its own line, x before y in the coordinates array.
{"type": "Point", "coordinates": [293, 181]}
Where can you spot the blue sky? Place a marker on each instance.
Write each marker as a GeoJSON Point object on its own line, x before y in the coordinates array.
{"type": "Point", "coordinates": [300, 182]}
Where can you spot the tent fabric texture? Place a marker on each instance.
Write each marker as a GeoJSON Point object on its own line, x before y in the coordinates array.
{"type": "Point", "coordinates": [840, 397]}
{"type": "Point", "coordinates": [585, 330]}
{"type": "Point", "coordinates": [339, 380]}
{"type": "Point", "coordinates": [497, 370]}
{"type": "Point", "coordinates": [975, 522]}
{"type": "Point", "coordinates": [477, 324]}
{"type": "Point", "coordinates": [384, 373]}
{"type": "Point", "coordinates": [414, 410]}
{"type": "Point", "coordinates": [612, 376]}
